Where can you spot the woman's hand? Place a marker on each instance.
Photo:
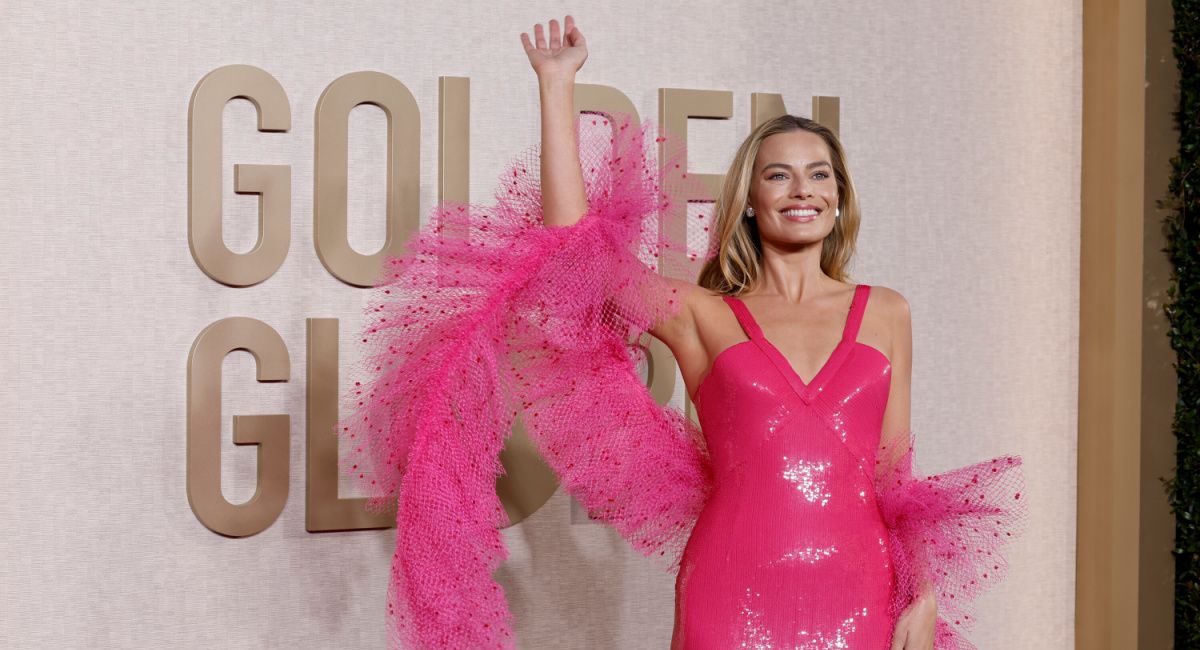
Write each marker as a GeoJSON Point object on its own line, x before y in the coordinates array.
{"type": "Point", "coordinates": [563, 56]}
{"type": "Point", "coordinates": [916, 626]}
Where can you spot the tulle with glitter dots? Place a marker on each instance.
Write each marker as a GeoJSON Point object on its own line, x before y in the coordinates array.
{"type": "Point", "coordinates": [490, 315]}
{"type": "Point", "coordinates": [948, 531]}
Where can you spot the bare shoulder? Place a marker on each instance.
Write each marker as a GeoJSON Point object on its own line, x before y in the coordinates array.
{"type": "Point", "coordinates": [682, 326]}
{"type": "Point", "coordinates": [703, 302]}
{"type": "Point", "coordinates": [892, 323]}
{"type": "Point", "coordinates": [893, 307]}
{"type": "Point", "coordinates": [692, 294]}
{"type": "Point", "coordinates": [683, 322]}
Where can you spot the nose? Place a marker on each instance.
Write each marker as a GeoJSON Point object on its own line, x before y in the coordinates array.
{"type": "Point", "coordinates": [800, 188]}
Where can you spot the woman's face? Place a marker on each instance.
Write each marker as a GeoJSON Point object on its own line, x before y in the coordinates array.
{"type": "Point", "coordinates": [794, 193]}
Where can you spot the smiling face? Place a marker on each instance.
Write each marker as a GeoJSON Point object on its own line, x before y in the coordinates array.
{"type": "Point", "coordinates": [792, 171]}
{"type": "Point", "coordinates": [793, 191]}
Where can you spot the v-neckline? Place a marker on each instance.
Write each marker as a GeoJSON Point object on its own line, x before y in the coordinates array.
{"type": "Point", "coordinates": [806, 389]}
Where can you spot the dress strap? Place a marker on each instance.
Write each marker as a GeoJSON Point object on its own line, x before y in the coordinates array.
{"type": "Point", "coordinates": [744, 318]}
{"type": "Point", "coordinates": [858, 305]}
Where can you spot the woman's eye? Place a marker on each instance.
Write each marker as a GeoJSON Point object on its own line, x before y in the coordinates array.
{"type": "Point", "coordinates": [776, 174]}
{"type": "Point", "coordinates": [821, 175]}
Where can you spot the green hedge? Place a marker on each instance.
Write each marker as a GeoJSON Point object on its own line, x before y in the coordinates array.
{"type": "Point", "coordinates": [1183, 298]}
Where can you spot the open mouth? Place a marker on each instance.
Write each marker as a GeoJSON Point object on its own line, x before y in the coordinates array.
{"type": "Point", "coordinates": [800, 215]}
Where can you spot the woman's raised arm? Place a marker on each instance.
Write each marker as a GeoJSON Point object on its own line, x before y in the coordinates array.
{"type": "Point", "coordinates": [564, 199]}
{"type": "Point", "coordinates": [556, 62]}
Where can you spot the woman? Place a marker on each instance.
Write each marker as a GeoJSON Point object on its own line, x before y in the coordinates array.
{"type": "Point", "coordinates": [799, 518]}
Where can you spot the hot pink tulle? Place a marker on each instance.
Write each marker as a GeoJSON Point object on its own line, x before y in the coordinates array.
{"type": "Point", "coordinates": [947, 532]}
{"type": "Point", "coordinates": [489, 314]}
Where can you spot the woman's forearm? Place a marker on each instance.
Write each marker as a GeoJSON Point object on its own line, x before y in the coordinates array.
{"type": "Point", "coordinates": [563, 199]}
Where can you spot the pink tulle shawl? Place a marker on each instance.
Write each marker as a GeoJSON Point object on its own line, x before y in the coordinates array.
{"type": "Point", "coordinates": [947, 532]}
{"type": "Point", "coordinates": [489, 315]}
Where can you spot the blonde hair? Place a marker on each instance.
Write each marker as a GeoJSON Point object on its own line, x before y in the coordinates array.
{"type": "Point", "coordinates": [737, 265]}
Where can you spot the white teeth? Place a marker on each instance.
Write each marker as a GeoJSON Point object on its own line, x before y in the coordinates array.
{"type": "Point", "coordinates": [800, 213]}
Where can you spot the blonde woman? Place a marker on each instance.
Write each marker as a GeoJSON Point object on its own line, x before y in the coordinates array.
{"type": "Point", "coordinates": [792, 515]}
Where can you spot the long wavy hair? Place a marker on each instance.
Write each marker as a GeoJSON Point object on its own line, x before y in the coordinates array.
{"type": "Point", "coordinates": [737, 266]}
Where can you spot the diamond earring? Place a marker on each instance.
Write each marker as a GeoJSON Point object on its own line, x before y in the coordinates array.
{"type": "Point", "coordinates": [749, 212]}
{"type": "Point", "coordinates": [837, 213]}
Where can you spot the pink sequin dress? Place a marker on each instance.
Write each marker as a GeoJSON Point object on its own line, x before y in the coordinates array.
{"type": "Point", "coordinates": [789, 528]}
{"type": "Point", "coordinates": [791, 550]}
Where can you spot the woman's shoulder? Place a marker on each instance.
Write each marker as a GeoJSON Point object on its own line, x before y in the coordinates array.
{"type": "Point", "coordinates": [691, 292]}
{"type": "Point", "coordinates": [695, 304]}
{"type": "Point", "coordinates": [891, 303]}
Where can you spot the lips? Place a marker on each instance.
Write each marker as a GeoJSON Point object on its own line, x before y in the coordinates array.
{"type": "Point", "coordinates": [800, 214]}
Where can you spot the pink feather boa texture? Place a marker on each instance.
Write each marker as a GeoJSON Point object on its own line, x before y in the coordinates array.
{"type": "Point", "coordinates": [489, 314]}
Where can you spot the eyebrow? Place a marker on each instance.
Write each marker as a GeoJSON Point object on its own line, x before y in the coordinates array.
{"type": "Point", "coordinates": [811, 165]}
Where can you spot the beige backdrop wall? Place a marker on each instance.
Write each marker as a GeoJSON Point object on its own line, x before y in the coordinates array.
{"type": "Point", "coordinates": [962, 125]}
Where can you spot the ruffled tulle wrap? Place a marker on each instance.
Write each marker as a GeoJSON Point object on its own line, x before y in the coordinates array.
{"type": "Point", "coordinates": [490, 315]}
{"type": "Point", "coordinates": [947, 532]}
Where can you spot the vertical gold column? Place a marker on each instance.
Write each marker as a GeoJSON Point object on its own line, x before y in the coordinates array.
{"type": "Point", "coordinates": [1110, 285]}
{"type": "Point", "coordinates": [1156, 593]}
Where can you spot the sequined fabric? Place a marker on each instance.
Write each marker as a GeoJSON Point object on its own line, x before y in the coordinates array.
{"type": "Point", "coordinates": [815, 536]}
{"type": "Point", "coordinates": [791, 551]}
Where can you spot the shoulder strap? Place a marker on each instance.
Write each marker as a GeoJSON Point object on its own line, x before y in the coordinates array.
{"type": "Point", "coordinates": [858, 305]}
{"type": "Point", "coordinates": [744, 318]}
